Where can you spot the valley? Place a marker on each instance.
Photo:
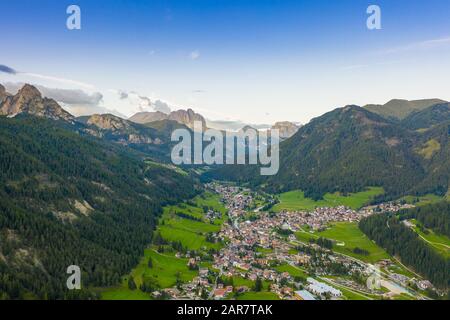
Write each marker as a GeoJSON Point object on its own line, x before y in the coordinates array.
{"type": "Point", "coordinates": [218, 246]}
{"type": "Point", "coordinates": [358, 197]}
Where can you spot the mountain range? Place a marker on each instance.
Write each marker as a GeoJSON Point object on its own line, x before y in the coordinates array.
{"type": "Point", "coordinates": [186, 117]}
{"type": "Point", "coordinates": [398, 109]}
{"type": "Point", "coordinates": [351, 148]}
{"type": "Point", "coordinates": [73, 193]}
{"type": "Point", "coordinates": [88, 190]}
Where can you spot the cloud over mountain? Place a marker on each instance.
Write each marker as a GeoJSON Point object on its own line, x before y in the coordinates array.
{"type": "Point", "coordinates": [7, 69]}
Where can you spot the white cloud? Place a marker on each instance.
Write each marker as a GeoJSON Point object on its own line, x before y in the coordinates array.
{"type": "Point", "coordinates": [194, 55]}
{"type": "Point", "coordinates": [422, 45]}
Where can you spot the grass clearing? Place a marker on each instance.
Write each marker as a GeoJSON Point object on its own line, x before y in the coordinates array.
{"type": "Point", "coordinates": [293, 271]}
{"type": "Point", "coordinates": [350, 236]}
{"type": "Point", "coordinates": [192, 232]}
{"type": "Point", "coordinates": [422, 200]}
{"type": "Point", "coordinates": [165, 271]}
{"type": "Point", "coordinates": [263, 295]}
{"type": "Point", "coordinates": [429, 149]}
{"type": "Point", "coordinates": [438, 242]}
{"type": "Point", "coordinates": [296, 201]}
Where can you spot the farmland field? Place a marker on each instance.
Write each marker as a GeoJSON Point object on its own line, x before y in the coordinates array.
{"type": "Point", "coordinates": [165, 270]}
{"type": "Point", "coordinates": [175, 224]}
{"type": "Point", "coordinates": [422, 200]}
{"type": "Point", "coordinates": [190, 230]}
{"type": "Point", "coordinates": [440, 243]}
{"type": "Point", "coordinates": [293, 271]}
{"type": "Point", "coordinates": [350, 237]}
{"type": "Point", "coordinates": [263, 295]}
{"type": "Point", "coordinates": [295, 200]}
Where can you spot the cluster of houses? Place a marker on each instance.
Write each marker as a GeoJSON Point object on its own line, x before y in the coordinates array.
{"type": "Point", "coordinates": [254, 249]}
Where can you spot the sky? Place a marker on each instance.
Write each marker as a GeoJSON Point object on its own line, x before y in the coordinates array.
{"type": "Point", "coordinates": [255, 62]}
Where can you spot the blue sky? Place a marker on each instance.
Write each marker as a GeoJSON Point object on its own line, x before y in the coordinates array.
{"type": "Point", "coordinates": [255, 61]}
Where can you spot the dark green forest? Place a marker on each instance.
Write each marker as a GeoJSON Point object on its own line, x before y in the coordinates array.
{"type": "Point", "coordinates": [398, 240]}
{"type": "Point", "coordinates": [349, 149]}
{"type": "Point", "coordinates": [434, 216]}
{"type": "Point", "coordinates": [69, 199]}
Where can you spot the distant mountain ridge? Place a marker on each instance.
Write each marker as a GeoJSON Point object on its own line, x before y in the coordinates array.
{"type": "Point", "coordinates": [351, 148]}
{"type": "Point", "coordinates": [427, 118]}
{"type": "Point", "coordinates": [153, 141]}
{"type": "Point", "coordinates": [30, 101]}
{"type": "Point", "coordinates": [399, 109]}
{"type": "Point", "coordinates": [287, 129]}
{"type": "Point", "coordinates": [186, 117]}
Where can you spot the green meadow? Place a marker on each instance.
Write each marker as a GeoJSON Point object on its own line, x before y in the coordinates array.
{"type": "Point", "coordinates": [293, 271]}
{"type": "Point", "coordinates": [165, 271]}
{"type": "Point", "coordinates": [192, 233]}
{"type": "Point", "coordinates": [349, 236]}
{"type": "Point", "coordinates": [439, 242]}
{"type": "Point", "coordinates": [295, 200]}
{"type": "Point", "coordinates": [263, 295]}
{"type": "Point", "coordinates": [422, 200]}
{"type": "Point", "coordinates": [166, 268]}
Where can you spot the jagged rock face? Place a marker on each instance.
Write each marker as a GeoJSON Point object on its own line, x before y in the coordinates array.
{"type": "Point", "coordinates": [108, 122]}
{"type": "Point", "coordinates": [147, 117]}
{"type": "Point", "coordinates": [29, 100]}
{"type": "Point", "coordinates": [123, 130]}
{"type": "Point", "coordinates": [287, 129]}
{"type": "Point", "coordinates": [186, 117]}
{"type": "Point", "coordinates": [3, 94]}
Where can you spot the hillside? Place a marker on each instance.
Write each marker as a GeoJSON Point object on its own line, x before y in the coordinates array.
{"type": "Point", "coordinates": [427, 118]}
{"type": "Point", "coordinates": [184, 117]}
{"type": "Point", "coordinates": [154, 141]}
{"type": "Point", "coordinates": [70, 199]}
{"type": "Point", "coordinates": [349, 149]}
{"type": "Point", "coordinates": [29, 100]}
{"type": "Point", "coordinates": [399, 109]}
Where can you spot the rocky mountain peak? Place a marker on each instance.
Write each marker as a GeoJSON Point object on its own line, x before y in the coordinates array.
{"type": "Point", "coordinates": [147, 117]}
{"type": "Point", "coordinates": [29, 92]}
{"type": "Point", "coordinates": [29, 100]}
{"type": "Point", "coordinates": [287, 129]}
{"type": "Point", "coordinates": [186, 117]}
{"type": "Point", "coordinates": [108, 122]}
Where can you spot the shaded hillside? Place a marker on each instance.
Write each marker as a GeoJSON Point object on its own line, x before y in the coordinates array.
{"type": "Point", "coordinates": [427, 118]}
{"type": "Point", "coordinates": [399, 109]}
{"type": "Point", "coordinates": [349, 149]}
{"type": "Point", "coordinates": [70, 199]}
{"type": "Point", "coordinates": [154, 141]}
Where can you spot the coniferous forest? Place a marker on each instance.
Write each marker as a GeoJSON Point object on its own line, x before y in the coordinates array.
{"type": "Point", "coordinates": [67, 200]}
{"type": "Point", "coordinates": [400, 241]}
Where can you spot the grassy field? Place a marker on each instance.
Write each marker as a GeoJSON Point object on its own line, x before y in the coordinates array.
{"type": "Point", "coordinates": [165, 270]}
{"type": "Point", "coordinates": [439, 242]}
{"type": "Point", "coordinates": [191, 233]}
{"type": "Point", "coordinates": [166, 267]}
{"type": "Point", "coordinates": [349, 235]}
{"type": "Point", "coordinates": [263, 295]}
{"type": "Point", "coordinates": [123, 293]}
{"type": "Point", "coordinates": [263, 250]}
{"type": "Point", "coordinates": [295, 200]}
{"type": "Point", "coordinates": [422, 200]}
{"type": "Point", "coordinates": [293, 271]}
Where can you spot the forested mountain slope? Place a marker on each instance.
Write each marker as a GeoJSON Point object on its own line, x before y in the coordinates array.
{"type": "Point", "coordinates": [70, 199]}
{"type": "Point", "coordinates": [351, 148]}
